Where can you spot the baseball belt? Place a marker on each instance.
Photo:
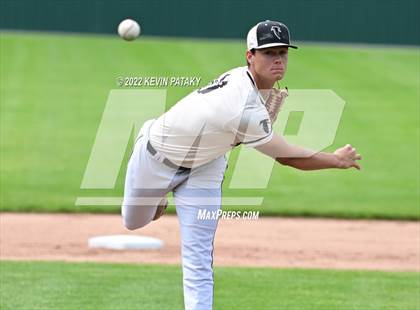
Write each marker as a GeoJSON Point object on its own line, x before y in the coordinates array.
{"type": "Point", "coordinates": [166, 161]}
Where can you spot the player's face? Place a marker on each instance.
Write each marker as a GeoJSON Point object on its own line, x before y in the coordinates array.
{"type": "Point", "coordinates": [270, 63]}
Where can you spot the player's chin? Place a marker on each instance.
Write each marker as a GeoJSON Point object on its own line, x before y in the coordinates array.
{"type": "Point", "coordinates": [278, 75]}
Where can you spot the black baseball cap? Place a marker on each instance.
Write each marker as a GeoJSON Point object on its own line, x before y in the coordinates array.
{"type": "Point", "coordinates": [268, 34]}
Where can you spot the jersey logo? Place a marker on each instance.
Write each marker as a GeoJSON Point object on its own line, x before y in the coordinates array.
{"type": "Point", "coordinates": [277, 31]}
{"type": "Point", "coordinates": [264, 123]}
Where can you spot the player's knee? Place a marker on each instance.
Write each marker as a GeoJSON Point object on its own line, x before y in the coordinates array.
{"type": "Point", "coordinates": [132, 224]}
{"type": "Point", "coordinates": [135, 217]}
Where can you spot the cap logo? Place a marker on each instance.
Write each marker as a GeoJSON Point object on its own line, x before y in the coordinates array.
{"type": "Point", "coordinates": [277, 31]}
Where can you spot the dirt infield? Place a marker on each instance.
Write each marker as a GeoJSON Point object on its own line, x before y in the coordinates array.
{"type": "Point", "coordinates": [268, 242]}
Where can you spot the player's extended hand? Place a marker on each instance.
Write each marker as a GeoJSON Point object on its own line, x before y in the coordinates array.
{"type": "Point", "coordinates": [347, 157]}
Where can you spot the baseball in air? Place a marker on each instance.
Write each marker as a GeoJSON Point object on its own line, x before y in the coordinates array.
{"type": "Point", "coordinates": [129, 29]}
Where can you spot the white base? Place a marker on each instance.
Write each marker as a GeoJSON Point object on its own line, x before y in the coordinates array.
{"type": "Point", "coordinates": [125, 242]}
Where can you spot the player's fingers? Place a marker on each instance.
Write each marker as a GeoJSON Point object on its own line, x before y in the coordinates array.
{"type": "Point", "coordinates": [356, 165]}
{"type": "Point", "coordinates": [348, 147]}
{"type": "Point", "coordinates": [358, 157]}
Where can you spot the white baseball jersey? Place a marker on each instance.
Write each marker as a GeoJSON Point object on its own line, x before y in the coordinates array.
{"type": "Point", "coordinates": [212, 120]}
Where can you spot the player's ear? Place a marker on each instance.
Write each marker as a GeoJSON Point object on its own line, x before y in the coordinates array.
{"type": "Point", "coordinates": [249, 57]}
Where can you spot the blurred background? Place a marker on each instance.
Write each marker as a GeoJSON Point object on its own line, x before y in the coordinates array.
{"type": "Point", "coordinates": [59, 61]}
{"type": "Point", "coordinates": [388, 22]}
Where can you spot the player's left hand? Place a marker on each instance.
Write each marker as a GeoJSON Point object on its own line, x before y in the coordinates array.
{"type": "Point", "coordinates": [274, 102]}
{"type": "Point", "coordinates": [346, 157]}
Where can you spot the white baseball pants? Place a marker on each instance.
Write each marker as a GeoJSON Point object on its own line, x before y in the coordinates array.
{"type": "Point", "coordinates": [148, 180]}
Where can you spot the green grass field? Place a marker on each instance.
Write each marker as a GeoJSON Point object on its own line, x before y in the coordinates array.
{"type": "Point", "coordinates": [42, 285]}
{"type": "Point", "coordinates": [54, 89]}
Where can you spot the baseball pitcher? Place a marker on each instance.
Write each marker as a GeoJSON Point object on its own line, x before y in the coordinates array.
{"type": "Point", "coordinates": [183, 152]}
